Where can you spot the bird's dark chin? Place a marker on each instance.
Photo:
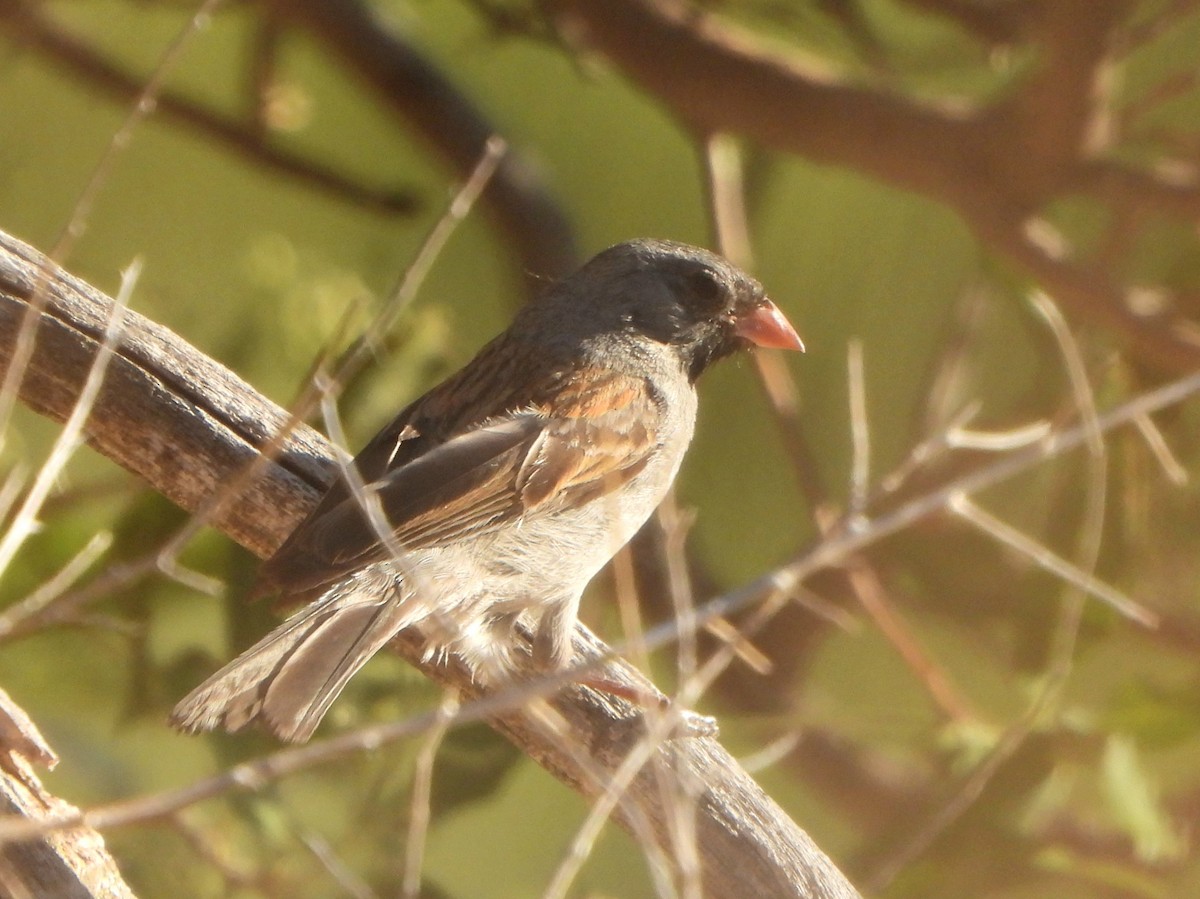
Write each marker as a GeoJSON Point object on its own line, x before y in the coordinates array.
{"type": "Point", "coordinates": [705, 354]}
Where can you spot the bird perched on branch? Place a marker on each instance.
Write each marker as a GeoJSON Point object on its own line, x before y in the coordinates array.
{"type": "Point", "coordinates": [503, 490]}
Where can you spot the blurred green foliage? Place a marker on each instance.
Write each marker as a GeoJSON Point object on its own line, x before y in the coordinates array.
{"type": "Point", "coordinates": [259, 271]}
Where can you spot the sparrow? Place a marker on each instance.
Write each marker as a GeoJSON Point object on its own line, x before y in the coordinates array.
{"type": "Point", "coordinates": [499, 494]}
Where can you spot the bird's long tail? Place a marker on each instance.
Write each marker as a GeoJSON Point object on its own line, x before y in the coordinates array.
{"type": "Point", "coordinates": [288, 680]}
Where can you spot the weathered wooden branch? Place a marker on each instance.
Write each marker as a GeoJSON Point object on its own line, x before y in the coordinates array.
{"type": "Point", "coordinates": [72, 864]}
{"type": "Point", "coordinates": [189, 426]}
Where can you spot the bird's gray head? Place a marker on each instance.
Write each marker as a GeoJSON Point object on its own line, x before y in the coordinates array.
{"type": "Point", "coordinates": [688, 299]}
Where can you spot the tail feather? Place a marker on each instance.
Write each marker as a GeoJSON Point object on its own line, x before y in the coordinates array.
{"type": "Point", "coordinates": [288, 680]}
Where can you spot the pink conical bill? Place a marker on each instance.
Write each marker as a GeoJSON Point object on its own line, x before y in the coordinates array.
{"type": "Point", "coordinates": [766, 326]}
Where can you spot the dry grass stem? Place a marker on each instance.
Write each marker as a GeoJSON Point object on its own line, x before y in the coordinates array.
{"type": "Point", "coordinates": [76, 224]}
{"type": "Point", "coordinates": [71, 436]}
{"type": "Point", "coordinates": [40, 604]}
{"type": "Point", "coordinates": [860, 431]}
{"type": "Point", "coordinates": [422, 789]}
{"type": "Point", "coordinates": [1157, 444]}
{"type": "Point", "coordinates": [1047, 559]}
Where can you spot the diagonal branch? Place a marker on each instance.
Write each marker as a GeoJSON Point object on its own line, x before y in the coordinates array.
{"type": "Point", "coordinates": [996, 24]}
{"type": "Point", "coordinates": [719, 79]}
{"type": "Point", "coordinates": [73, 865]}
{"type": "Point", "coordinates": [424, 99]}
{"type": "Point", "coordinates": [188, 426]}
{"type": "Point", "coordinates": [996, 166]}
{"type": "Point", "coordinates": [1044, 125]}
{"type": "Point", "coordinates": [30, 28]}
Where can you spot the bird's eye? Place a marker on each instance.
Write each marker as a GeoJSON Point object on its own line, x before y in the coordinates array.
{"type": "Point", "coordinates": [707, 289]}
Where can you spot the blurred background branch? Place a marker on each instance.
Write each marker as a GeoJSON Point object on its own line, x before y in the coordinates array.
{"type": "Point", "coordinates": [903, 175]}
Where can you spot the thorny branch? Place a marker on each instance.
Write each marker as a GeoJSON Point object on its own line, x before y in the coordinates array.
{"type": "Point", "coordinates": [999, 166]}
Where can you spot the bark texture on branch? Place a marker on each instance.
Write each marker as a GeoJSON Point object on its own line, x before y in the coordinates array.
{"type": "Point", "coordinates": [70, 864]}
{"type": "Point", "coordinates": [189, 426]}
{"type": "Point", "coordinates": [166, 412]}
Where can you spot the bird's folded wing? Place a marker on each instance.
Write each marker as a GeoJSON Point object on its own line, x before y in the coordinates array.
{"type": "Point", "coordinates": [525, 462]}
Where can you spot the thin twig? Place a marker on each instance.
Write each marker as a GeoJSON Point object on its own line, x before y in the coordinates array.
{"type": "Point", "coordinates": [113, 578]}
{"type": "Point", "coordinates": [202, 843]}
{"type": "Point", "coordinates": [1058, 672]}
{"type": "Point", "coordinates": [40, 603]}
{"type": "Point", "coordinates": [722, 159]}
{"type": "Point", "coordinates": [676, 526]}
{"type": "Point", "coordinates": [341, 874]}
{"type": "Point", "coordinates": [871, 593]}
{"type": "Point", "coordinates": [76, 225]}
{"type": "Point", "coordinates": [1157, 443]}
{"type": "Point", "coordinates": [71, 436]}
{"type": "Point", "coordinates": [868, 586]}
{"type": "Point", "coordinates": [358, 354]}
{"type": "Point", "coordinates": [11, 489]}
{"type": "Point", "coordinates": [860, 430]}
{"type": "Point", "coordinates": [773, 753]}
{"type": "Point", "coordinates": [659, 730]}
{"type": "Point", "coordinates": [629, 610]}
{"type": "Point", "coordinates": [422, 790]}
{"type": "Point", "coordinates": [959, 437]}
{"type": "Point", "coordinates": [677, 789]}
{"type": "Point", "coordinates": [1046, 558]}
